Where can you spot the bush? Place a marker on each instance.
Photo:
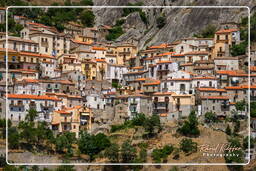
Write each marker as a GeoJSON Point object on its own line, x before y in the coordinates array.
{"type": "Point", "coordinates": [239, 49]}
{"type": "Point", "coordinates": [253, 109]}
{"type": "Point", "coordinates": [161, 154]}
{"type": "Point", "coordinates": [228, 130]}
{"type": "Point", "coordinates": [114, 33]}
{"type": "Point", "coordinates": [210, 117]}
{"type": "Point", "coordinates": [190, 127]}
{"type": "Point", "coordinates": [93, 144]}
{"type": "Point", "coordinates": [207, 32]}
{"type": "Point", "coordinates": [234, 142]}
{"type": "Point", "coordinates": [127, 11]}
{"type": "Point", "coordinates": [161, 21]}
{"type": "Point", "coordinates": [188, 146]}
{"type": "Point", "coordinates": [87, 18]}
{"type": "Point", "coordinates": [128, 152]}
{"type": "Point", "coordinates": [112, 153]}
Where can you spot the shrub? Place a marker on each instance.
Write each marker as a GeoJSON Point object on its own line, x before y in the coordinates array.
{"type": "Point", "coordinates": [161, 21]}
{"type": "Point", "coordinates": [190, 126]}
{"type": "Point", "coordinates": [188, 146]}
{"type": "Point", "coordinates": [239, 49]}
{"type": "Point", "coordinates": [210, 117]}
{"type": "Point", "coordinates": [161, 154]}
{"type": "Point", "coordinates": [87, 18]}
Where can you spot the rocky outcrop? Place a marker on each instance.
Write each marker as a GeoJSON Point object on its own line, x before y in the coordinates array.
{"type": "Point", "coordinates": [180, 22]}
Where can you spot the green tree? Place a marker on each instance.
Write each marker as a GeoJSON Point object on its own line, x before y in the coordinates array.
{"type": "Point", "coordinates": [31, 116]}
{"type": "Point", "coordinates": [210, 117]}
{"type": "Point", "coordinates": [13, 138]}
{"type": "Point", "coordinates": [160, 155]}
{"type": "Point", "coordinates": [239, 49]}
{"type": "Point", "coordinates": [188, 146]}
{"type": "Point", "coordinates": [207, 32]}
{"type": "Point", "coordinates": [239, 157]}
{"type": "Point", "coordinates": [128, 152]}
{"type": "Point", "coordinates": [93, 144]}
{"type": "Point", "coordinates": [253, 109]}
{"type": "Point", "coordinates": [228, 130]}
{"type": "Point", "coordinates": [87, 18]}
{"type": "Point", "coordinates": [160, 22]}
{"type": "Point", "coordinates": [190, 126]}
{"type": "Point", "coordinates": [240, 105]}
{"type": "Point", "coordinates": [246, 143]}
{"type": "Point", "coordinates": [112, 153]}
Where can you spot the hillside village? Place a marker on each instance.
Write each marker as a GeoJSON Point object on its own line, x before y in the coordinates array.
{"type": "Point", "coordinates": [76, 82]}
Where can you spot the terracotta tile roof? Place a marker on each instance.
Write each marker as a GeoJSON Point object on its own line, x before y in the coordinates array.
{"type": "Point", "coordinates": [197, 53]}
{"type": "Point", "coordinates": [162, 93]}
{"type": "Point", "coordinates": [180, 79]}
{"type": "Point", "coordinates": [204, 78]}
{"type": "Point", "coordinates": [226, 31]}
{"type": "Point", "coordinates": [240, 87]}
{"type": "Point", "coordinates": [211, 89]}
{"type": "Point", "coordinates": [164, 62]}
{"type": "Point", "coordinates": [37, 55]}
{"type": "Point", "coordinates": [63, 112]}
{"type": "Point", "coordinates": [99, 48]}
{"type": "Point", "coordinates": [100, 60]}
{"type": "Point", "coordinates": [79, 42]}
{"type": "Point", "coordinates": [29, 81]}
{"type": "Point", "coordinates": [138, 95]}
{"type": "Point", "coordinates": [74, 97]}
{"type": "Point", "coordinates": [140, 79]}
{"type": "Point", "coordinates": [152, 83]}
{"type": "Point", "coordinates": [65, 82]}
{"type": "Point", "coordinates": [215, 97]}
{"type": "Point", "coordinates": [178, 55]}
{"type": "Point", "coordinates": [163, 114]}
{"type": "Point", "coordinates": [165, 54]}
{"type": "Point", "coordinates": [137, 67]}
{"type": "Point", "coordinates": [253, 68]}
{"type": "Point", "coordinates": [187, 64]}
{"type": "Point", "coordinates": [29, 96]}
{"type": "Point", "coordinates": [164, 45]}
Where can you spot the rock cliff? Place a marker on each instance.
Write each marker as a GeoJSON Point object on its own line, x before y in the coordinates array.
{"type": "Point", "coordinates": [180, 22]}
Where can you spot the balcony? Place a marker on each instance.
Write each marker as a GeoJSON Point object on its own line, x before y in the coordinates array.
{"type": "Point", "coordinates": [16, 105]}
{"type": "Point", "coordinates": [46, 105]}
{"type": "Point", "coordinates": [124, 53]}
{"type": "Point", "coordinates": [32, 106]}
{"type": "Point", "coordinates": [133, 102]}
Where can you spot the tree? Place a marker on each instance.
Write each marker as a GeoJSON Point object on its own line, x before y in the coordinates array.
{"type": "Point", "coordinates": [151, 124]}
{"type": "Point", "coordinates": [210, 117]}
{"type": "Point", "coordinates": [240, 105]}
{"type": "Point", "coordinates": [188, 146]}
{"type": "Point", "coordinates": [93, 144]}
{"type": "Point", "coordinates": [112, 153]}
{"type": "Point", "coordinates": [87, 18]}
{"type": "Point", "coordinates": [207, 32]}
{"type": "Point", "coordinates": [239, 157]}
{"type": "Point", "coordinates": [65, 168]}
{"type": "Point", "coordinates": [237, 126]}
{"type": "Point", "coordinates": [246, 143]}
{"type": "Point", "coordinates": [64, 142]}
{"type": "Point", "coordinates": [160, 22]}
{"type": "Point", "coordinates": [160, 155]}
{"type": "Point", "coordinates": [190, 126]}
{"type": "Point", "coordinates": [239, 49]}
{"type": "Point", "coordinates": [128, 152]}
{"type": "Point", "coordinates": [253, 109]}
{"type": "Point", "coordinates": [13, 138]}
{"type": "Point", "coordinates": [228, 130]}
{"type": "Point", "coordinates": [31, 116]}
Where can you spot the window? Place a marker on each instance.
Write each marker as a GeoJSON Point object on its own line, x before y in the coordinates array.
{"type": "Point", "coordinates": [46, 49]}
{"type": "Point", "coordinates": [74, 127]}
